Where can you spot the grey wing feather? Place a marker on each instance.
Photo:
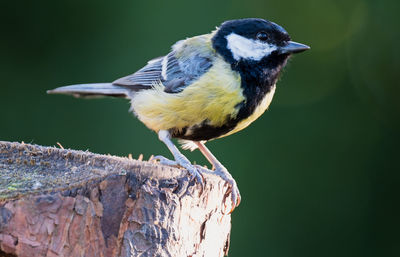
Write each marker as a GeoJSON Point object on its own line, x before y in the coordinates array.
{"type": "Point", "coordinates": [183, 72]}
{"type": "Point", "coordinates": [144, 77]}
{"type": "Point", "coordinates": [175, 73]}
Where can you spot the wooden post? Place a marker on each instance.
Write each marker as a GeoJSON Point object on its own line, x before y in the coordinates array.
{"type": "Point", "coordinates": [56, 202]}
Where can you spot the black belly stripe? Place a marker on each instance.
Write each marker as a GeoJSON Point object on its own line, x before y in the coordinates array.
{"type": "Point", "coordinates": [257, 78]}
{"type": "Point", "coordinates": [204, 131]}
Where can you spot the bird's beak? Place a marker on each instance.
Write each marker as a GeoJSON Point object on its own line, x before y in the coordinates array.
{"type": "Point", "coordinates": [293, 48]}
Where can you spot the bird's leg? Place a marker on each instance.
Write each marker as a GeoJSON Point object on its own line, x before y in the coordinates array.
{"type": "Point", "coordinates": [221, 171]}
{"type": "Point", "coordinates": [180, 159]}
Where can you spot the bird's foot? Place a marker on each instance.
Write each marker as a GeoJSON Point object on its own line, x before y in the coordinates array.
{"type": "Point", "coordinates": [233, 190]}
{"type": "Point", "coordinates": [164, 161]}
{"type": "Point", "coordinates": [184, 163]}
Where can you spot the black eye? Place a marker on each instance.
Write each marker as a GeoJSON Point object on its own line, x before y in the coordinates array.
{"type": "Point", "coordinates": [262, 36]}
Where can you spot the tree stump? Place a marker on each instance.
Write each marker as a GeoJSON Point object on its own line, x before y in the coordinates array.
{"type": "Point", "coordinates": [57, 202]}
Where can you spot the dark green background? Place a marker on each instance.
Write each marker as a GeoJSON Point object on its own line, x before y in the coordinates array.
{"type": "Point", "coordinates": [318, 173]}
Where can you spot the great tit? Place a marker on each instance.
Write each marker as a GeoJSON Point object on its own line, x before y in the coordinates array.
{"type": "Point", "coordinates": [206, 87]}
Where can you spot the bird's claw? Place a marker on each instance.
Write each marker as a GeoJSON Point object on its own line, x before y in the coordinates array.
{"type": "Point", "coordinates": [233, 190]}
{"type": "Point", "coordinates": [164, 161]}
{"type": "Point", "coordinates": [235, 196]}
{"type": "Point", "coordinates": [184, 163]}
{"type": "Point", "coordinates": [196, 171]}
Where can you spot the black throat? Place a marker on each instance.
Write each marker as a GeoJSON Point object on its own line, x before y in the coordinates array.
{"type": "Point", "coordinates": [258, 78]}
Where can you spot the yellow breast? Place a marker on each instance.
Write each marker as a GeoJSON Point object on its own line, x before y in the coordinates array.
{"type": "Point", "coordinates": [213, 97]}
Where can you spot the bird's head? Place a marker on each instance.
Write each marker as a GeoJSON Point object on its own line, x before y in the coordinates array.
{"type": "Point", "coordinates": [255, 41]}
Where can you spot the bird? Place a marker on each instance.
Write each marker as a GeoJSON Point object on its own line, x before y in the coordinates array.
{"type": "Point", "coordinates": [207, 87]}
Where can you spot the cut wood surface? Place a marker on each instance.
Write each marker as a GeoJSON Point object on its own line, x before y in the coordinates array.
{"type": "Point", "coordinates": [58, 202]}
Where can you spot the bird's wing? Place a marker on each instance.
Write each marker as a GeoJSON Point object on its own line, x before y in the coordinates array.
{"type": "Point", "coordinates": [188, 60]}
{"type": "Point", "coordinates": [144, 77]}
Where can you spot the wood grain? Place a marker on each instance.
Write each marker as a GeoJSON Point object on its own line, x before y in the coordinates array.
{"type": "Point", "coordinates": [59, 202]}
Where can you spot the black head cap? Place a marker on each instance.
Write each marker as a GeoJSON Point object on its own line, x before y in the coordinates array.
{"type": "Point", "coordinates": [249, 28]}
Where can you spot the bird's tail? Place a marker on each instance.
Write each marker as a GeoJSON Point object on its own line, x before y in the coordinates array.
{"type": "Point", "coordinates": [92, 90]}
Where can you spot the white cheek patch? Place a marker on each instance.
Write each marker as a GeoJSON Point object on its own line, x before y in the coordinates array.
{"type": "Point", "coordinates": [244, 48]}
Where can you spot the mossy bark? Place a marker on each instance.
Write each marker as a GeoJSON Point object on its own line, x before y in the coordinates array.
{"type": "Point", "coordinates": [57, 202]}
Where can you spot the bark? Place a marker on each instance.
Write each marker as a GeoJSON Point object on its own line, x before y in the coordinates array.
{"type": "Point", "coordinates": [57, 202]}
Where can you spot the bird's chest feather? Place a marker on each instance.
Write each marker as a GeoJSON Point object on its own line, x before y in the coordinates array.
{"type": "Point", "coordinates": [259, 109]}
{"type": "Point", "coordinates": [211, 100]}
{"type": "Point", "coordinates": [256, 99]}
{"type": "Point", "coordinates": [219, 103]}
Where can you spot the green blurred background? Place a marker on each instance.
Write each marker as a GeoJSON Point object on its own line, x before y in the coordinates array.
{"type": "Point", "coordinates": [318, 173]}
